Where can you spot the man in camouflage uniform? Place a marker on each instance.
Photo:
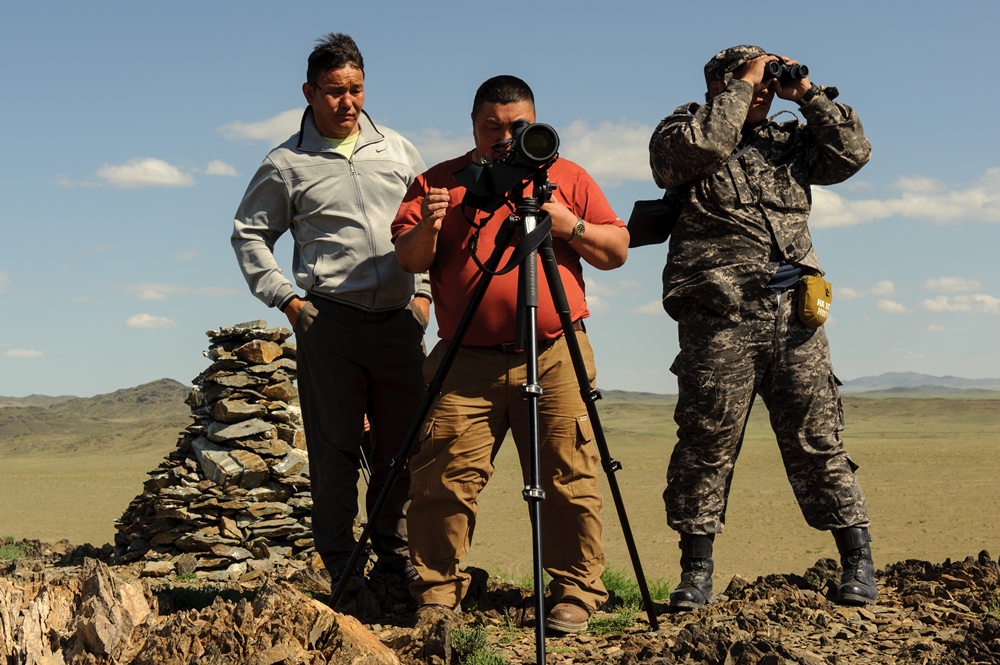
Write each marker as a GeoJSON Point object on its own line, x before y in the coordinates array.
{"type": "Point", "coordinates": [737, 252]}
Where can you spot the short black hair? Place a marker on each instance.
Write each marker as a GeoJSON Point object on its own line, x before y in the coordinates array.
{"type": "Point", "coordinates": [503, 89]}
{"type": "Point", "coordinates": [333, 51]}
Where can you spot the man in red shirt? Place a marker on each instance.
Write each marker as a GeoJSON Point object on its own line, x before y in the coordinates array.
{"type": "Point", "coordinates": [481, 398]}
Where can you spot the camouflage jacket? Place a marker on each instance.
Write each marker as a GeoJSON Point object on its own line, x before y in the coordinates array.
{"type": "Point", "coordinates": [746, 196]}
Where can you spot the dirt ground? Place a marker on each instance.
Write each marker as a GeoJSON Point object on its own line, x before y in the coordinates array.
{"type": "Point", "coordinates": [928, 466]}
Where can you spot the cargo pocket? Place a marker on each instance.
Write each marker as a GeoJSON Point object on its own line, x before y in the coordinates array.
{"type": "Point", "coordinates": [585, 459]}
{"type": "Point", "coordinates": [422, 460]}
{"type": "Point", "coordinates": [700, 410]}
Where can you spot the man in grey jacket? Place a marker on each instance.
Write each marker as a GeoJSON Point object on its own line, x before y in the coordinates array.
{"type": "Point", "coordinates": [336, 185]}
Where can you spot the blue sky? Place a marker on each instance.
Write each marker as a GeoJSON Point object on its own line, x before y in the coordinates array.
{"type": "Point", "coordinates": [130, 131]}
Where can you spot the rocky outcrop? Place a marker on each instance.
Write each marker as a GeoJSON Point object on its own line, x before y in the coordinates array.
{"type": "Point", "coordinates": [53, 611]}
{"type": "Point", "coordinates": [95, 614]}
{"type": "Point", "coordinates": [233, 497]}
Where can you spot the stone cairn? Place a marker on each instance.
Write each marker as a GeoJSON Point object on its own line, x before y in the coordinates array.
{"type": "Point", "coordinates": [233, 498]}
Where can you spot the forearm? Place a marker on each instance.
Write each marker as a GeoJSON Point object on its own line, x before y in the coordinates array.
{"type": "Point", "coordinates": [604, 246]}
{"type": "Point", "coordinates": [839, 147]}
{"type": "Point", "coordinates": [416, 248]}
{"type": "Point", "coordinates": [688, 146]}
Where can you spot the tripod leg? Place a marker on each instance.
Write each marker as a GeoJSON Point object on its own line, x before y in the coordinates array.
{"type": "Point", "coordinates": [590, 396]}
{"type": "Point", "coordinates": [532, 392]}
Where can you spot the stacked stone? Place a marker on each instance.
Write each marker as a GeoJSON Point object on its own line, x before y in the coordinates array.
{"type": "Point", "coordinates": [233, 497]}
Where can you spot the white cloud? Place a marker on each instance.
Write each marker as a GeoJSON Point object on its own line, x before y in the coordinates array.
{"type": "Point", "coordinates": [219, 167]}
{"type": "Point", "coordinates": [975, 304]}
{"type": "Point", "coordinates": [436, 146]}
{"type": "Point", "coordinates": [920, 198]}
{"type": "Point", "coordinates": [597, 305]}
{"type": "Point", "coordinates": [891, 307]}
{"type": "Point", "coordinates": [951, 284]}
{"type": "Point", "coordinates": [164, 291]}
{"type": "Point", "coordinates": [147, 321]}
{"type": "Point", "coordinates": [597, 288]}
{"type": "Point", "coordinates": [4, 281]}
{"type": "Point", "coordinates": [23, 353]}
{"type": "Point", "coordinates": [653, 308]}
{"type": "Point", "coordinates": [273, 131]}
{"type": "Point", "coordinates": [611, 152]}
{"type": "Point", "coordinates": [187, 255]}
{"type": "Point", "coordinates": [936, 329]}
{"type": "Point", "coordinates": [881, 289]}
{"type": "Point", "coordinates": [144, 172]}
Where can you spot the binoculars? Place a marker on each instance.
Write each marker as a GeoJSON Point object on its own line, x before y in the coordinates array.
{"type": "Point", "coordinates": [780, 70]}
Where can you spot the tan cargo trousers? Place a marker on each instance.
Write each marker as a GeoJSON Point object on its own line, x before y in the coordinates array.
{"type": "Point", "coordinates": [480, 401]}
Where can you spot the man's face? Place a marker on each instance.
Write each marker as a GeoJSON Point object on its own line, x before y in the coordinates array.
{"type": "Point", "coordinates": [492, 123]}
{"type": "Point", "coordinates": [760, 105]}
{"type": "Point", "coordinates": [336, 100]}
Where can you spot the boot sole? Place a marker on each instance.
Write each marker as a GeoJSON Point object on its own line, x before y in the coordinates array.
{"type": "Point", "coordinates": [854, 599]}
{"type": "Point", "coordinates": [564, 627]}
{"type": "Point", "coordinates": [684, 605]}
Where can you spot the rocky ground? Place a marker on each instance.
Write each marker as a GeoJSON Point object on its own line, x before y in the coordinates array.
{"type": "Point", "coordinates": [76, 605]}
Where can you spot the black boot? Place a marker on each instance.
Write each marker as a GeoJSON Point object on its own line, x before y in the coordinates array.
{"type": "Point", "coordinates": [857, 583]}
{"type": "Point", "coordinates": [695, 588]}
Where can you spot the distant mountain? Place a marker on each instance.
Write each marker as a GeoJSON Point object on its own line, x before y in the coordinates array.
{"type": "Point", "coordinates": [34, 400]}
{"type": "Point", "coordinates": [150, 414]}
{"type": "Point", "coordinates": [912, 382]}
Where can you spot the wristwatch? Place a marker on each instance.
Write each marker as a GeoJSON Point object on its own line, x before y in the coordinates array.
{"type": "Point", "coordinates": [578, 230]}
{"type": "Point", "coordinates": [809, 94]}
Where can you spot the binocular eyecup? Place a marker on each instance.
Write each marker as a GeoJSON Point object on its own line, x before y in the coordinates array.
{"type": "Point", "coordinates": [783, 72]}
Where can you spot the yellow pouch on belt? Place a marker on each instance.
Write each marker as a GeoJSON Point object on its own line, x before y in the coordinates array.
{"type": "Point", "coordinates": [815, 295]}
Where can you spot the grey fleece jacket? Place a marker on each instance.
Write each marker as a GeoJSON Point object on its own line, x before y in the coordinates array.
{"type": "Point", "coordinates": [338, 210]}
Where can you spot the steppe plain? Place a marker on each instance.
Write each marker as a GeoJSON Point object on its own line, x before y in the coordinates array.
{"type": "Point", "coordinates": [928, 464]}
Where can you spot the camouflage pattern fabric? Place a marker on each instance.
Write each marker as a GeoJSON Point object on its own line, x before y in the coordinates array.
{"type": "Point", "coordinates": [720, 369]}
{"type": "Point", "coordinates": [746, 193]}
{"type": "Point", "coordinates": [725, 62]}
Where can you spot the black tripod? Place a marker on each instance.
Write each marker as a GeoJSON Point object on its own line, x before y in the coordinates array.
{"type": "Point", "coordinates": [535, 239]}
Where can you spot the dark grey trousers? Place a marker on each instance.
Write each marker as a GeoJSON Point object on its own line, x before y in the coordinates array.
{"type": "Point", "coordinates": [352, 363]}
{"type": "Point", "coordinates": [721, 368]}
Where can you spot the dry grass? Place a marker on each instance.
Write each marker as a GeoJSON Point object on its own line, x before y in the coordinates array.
{"type": "Point", "coordinates": [928, 466]}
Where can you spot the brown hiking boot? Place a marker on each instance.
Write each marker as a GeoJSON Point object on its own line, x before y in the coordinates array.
{"type": "Point", "coordinates": [569, 616]}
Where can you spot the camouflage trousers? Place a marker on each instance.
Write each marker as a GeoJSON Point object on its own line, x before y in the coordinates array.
{"type": "Point", "coordinates": [722, 366]}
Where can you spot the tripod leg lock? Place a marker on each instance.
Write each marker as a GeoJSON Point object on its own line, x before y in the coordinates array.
{"type": "Point", "coordinates": [530, 493]}
{"type": "Point", "coordinates": [529, 389]}
{"type": "Point", "coordinates": [611, 465]}
{"type": "Point", "coordinates": [592, 395]}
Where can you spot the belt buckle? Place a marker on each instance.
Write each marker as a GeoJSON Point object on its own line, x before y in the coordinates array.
{"type": "Point", "coordinates": [509, 348]}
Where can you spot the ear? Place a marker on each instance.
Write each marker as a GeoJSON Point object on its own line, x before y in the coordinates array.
{"type": "Point", "coordinates": [715, 87]}
{"type": "Point", "coordinates": [309, 92]}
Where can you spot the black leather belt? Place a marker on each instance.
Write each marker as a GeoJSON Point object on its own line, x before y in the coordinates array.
{"type": "Point", "coordinates": [511, 347]}
{"type": "Point", "coordinates": [358, 314]}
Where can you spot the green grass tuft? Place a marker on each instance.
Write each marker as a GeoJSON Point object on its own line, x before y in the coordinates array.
{"type": "Point", "coordinates": [471, 647]}
{"type": "Point", "coordinates": [622, 621]}
{"type": "Point", "coordinates": [627, 589]}
{"type": "Point", "coordinates": [9, 551]}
